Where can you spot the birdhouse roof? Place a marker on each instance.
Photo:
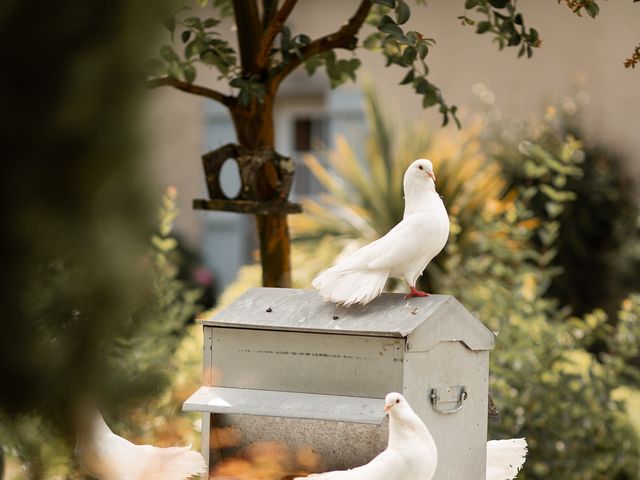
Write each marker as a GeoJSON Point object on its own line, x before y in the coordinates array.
{"type": "Point", "coordinates": [425, 321]}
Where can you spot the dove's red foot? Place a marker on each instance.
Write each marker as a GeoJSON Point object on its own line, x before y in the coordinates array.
{"type": "Point", "coordinates": [415, 293]}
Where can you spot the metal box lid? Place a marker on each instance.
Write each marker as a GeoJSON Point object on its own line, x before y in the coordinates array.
{"type": "Point", "coordinates": [429, 320]}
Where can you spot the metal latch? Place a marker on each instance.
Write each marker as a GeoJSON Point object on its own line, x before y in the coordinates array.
{"type": "Point", "coordinates": [456, 393]}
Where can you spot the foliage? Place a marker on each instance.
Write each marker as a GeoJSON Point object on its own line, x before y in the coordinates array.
{"type": "Point", "coordinates": [146, 351]}
{"type": "Point", "coordinates": [75, 214]}
{"type": "Point", "coordinates": [596, 216]}
{"type": "Point", "coordinates": [253, 78]}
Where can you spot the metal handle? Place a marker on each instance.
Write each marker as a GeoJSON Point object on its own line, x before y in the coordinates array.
{"type": "Point", "coordinates": [435, 399]}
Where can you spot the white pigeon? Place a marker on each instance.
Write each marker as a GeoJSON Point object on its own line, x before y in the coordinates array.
{"type": "Point", "coordinates": [410, 455]}
{"type": "Point", "coordinates": [403, 252]}
{"type": "Point", "coordinates": [107, 456]}
{"type": "Point", "coordinates": [505, 458]}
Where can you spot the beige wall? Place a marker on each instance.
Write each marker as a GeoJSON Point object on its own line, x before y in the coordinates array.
{"type": "Point", "coordinates": [459, 60]}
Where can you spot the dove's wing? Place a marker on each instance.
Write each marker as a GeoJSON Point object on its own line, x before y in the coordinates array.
{"type": "Point", "coordinates": [389, 465]}
{"type": "Point", "coordinates": [397, 247]}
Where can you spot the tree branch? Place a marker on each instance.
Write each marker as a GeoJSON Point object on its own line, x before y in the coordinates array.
{"type": "Point", "coordinates": [226, 100]}
{"type": "Point", "coordinates": [271, 31]}
{"type": "Point", "coordinates": [269, 8]}
{"type": "Point", "coordinates": [345, 37]}
{"type": "Point", "coordinates": [249, 32]}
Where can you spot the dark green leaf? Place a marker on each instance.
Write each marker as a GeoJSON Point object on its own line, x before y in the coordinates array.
{"type": "Point", "coordinates": [238, 82]}
{"type": "Point", "coordinates": [498, 3]}
{"type": "Point", "coordinates": [483, 27]}
{"type": "Point", "coordinates": [514, 40]}
{"type": "Point", "coordinates": [421, 85]}
{"type": "Point", "coordinates": [430, 97]}
{"type": "Point", "coordinates": [471, 3]}
{"type": "Point", "coordinates": [423, 49]}
{"type": "Point", "coordinates": [519, 20]}
{"type": "Point", "coordinates": [189, 73]}
{"type": "Point", "coordinates": [408, 78]}
{"type": "Point", "coordinates": [592, 9]}
{"type": "Point", "coordinates": [403, 12]}
{"type": "Point", "coordinates": [386, 3]}
{"type": "Point", "coordinates": [185, 36]}
{"type": "Point", "coordinates": [409, 55]}
{"type": "Point", "coordinates": [210, 22]}
{"type": "Point", "coordinates": [392, 29]}
{"type": "Point", "coordinates": [385, 19]}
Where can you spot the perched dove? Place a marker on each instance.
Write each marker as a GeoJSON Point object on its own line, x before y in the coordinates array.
{"type": "Point", "coordinates": [410, 455]}
{"type": "Point", "coordinates": [106, 456]}
{"type": "Point", "coordinates": [403, 252]}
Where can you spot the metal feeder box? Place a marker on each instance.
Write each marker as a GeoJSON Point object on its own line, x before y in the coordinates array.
{"type": "Point", "coordinates": [294, 369]}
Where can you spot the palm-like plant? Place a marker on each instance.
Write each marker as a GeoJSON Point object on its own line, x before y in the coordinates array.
{"type": "Point", "coordinates": [364, 198]}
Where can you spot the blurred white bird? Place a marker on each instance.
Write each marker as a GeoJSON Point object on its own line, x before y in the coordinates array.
{"type": "Point", "coordinates": [404, 251]}
{"type": "Point", "coordinates": [505, 458]}
{"type": "Point", "coordinates": [106, 456]}
{"type": "Point", "coordinates": [410, 455]}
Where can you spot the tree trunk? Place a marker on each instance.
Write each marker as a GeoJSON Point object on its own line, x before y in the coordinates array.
{"type": "Point", "coordinates": [254, 128]}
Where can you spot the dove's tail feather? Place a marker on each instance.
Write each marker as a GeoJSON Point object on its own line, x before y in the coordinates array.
{"type": "Point", "coordinates": [505, 458]}
{"type": "Point", "coordinates": [350, 286]}
{"type": "Point", "coordinates": [174, 463]}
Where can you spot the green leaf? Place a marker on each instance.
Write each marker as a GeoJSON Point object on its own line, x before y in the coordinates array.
{"type": "Point", "coordinates": [392, 29]}
{"type": "Point", "coordinates": [189, 73]}
{"type": "Point", "coordinates": [210, 22]}
{"type": "Point", "coordinates": [469, 4]}
{"type": "Point", "coordinates": [409, 55]}
{"type": "Point", "coordinates": [423, 49]}
{"type": "Point", "coordinates": [592, 9]}
{"type": "Point", "coordinates": [193, 22]}
{"type": "Point", "coordinates": [167, 53]}
{"type": "Point", "coordinates": [372, 41]}
{"type": "Point", "coordinates": [185, 36]}
{"type": "Point", "coordinates": [194, 48]}
{"type": "Point", "coordinates": [386, 3]}
{"type": "Point", "coordinates": [170, 23]}
{"type": "Point", "coordinates": [421, 85]}
{"type": "Point", "coordinates": [403, 12]}
{"type": "Point", "coordinates": [430, 97]}
{"type": "Point", "coordinates": [483, 27]}
{"type": "Point", "coordinates": [498, 3]}
{"type": "Point", "coordinates": [408, 78]}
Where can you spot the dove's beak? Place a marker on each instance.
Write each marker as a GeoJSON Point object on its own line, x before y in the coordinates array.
{"type": "Point", "coordinates": [387, 408]}
{"type": "Point", "coordinates": [432, 175]}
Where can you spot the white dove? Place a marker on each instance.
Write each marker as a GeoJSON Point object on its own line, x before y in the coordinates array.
{"type": "Point", "coordinates": [505, 458]}
{"type": "Point", "coordinates": [404, 251]}
{"type": "Point", "coordinates": [411, 453]}
{"type": "Point", "coordinates": [107, 456]}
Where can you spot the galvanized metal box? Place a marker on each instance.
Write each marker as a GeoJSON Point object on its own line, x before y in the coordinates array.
{"type": "Point", "coordinates": [289, 367]}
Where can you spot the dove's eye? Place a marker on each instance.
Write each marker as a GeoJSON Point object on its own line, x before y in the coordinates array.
{"type": "Point", "coordinates": [398, 400]}
{"type": "Point", "coordinates": [420, 167]}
